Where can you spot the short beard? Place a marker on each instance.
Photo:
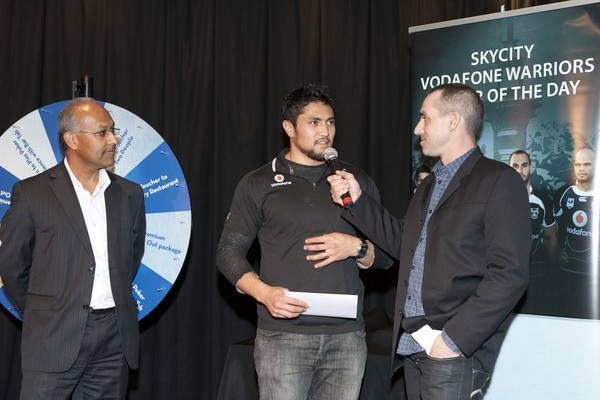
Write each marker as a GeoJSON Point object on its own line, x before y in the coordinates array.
{"type": "Point", "coordinates": [314, 156]}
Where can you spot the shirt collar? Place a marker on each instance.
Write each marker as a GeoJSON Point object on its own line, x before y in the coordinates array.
{"type": "Point", "coordinates": [103, 180]}
{"type": "Point", "coordinates": [440, 169]}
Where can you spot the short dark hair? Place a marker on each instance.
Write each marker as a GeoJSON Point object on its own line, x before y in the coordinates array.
{"type": "Point", "coordinates": [519, 151]}
{"type": "Point", "coordinates": [296, 100]}
{"type": "Point", "coordinates": [457, 97]}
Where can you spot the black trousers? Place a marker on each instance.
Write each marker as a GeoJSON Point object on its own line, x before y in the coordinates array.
{"type": "Point", "coordinates": [99, 372]}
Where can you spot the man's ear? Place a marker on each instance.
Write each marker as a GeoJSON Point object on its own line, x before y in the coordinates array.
{"type": "Point", "coordinates": [288, 127]}
{"type": "Point", "coordinates": [70, 139]}
{"type": "Point", "coordinates": [455, 119]}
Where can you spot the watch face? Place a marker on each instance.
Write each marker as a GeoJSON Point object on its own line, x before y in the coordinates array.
{"type": "Point", "coordinates": [363, 249]}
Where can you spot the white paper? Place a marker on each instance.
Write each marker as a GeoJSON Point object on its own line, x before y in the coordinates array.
{"type": "Point", "coordinates": [425, 337]}
{"type": "Point", "coordinates": [328, 304]}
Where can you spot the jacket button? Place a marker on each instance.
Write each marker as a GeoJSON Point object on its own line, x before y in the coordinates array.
{"type": "Point", "coordinates": [91, 270]}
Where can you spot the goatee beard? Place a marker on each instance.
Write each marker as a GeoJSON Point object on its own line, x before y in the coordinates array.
{"type": "Point", "coordinates": [314, 156]}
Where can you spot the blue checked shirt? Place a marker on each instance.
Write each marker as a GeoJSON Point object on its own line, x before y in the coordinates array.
{"type": "Point", "coordinates": [413, 305]}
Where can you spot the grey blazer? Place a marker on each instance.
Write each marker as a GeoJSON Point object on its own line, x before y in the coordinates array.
{"type": "Point", "coordinates": [47, 265]}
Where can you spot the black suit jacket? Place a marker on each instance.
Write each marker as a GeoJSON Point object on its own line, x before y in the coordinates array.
{"type": "Point", "coordinates": [476, 257]}
{"type": "Point", "coordinates": [47, 265]}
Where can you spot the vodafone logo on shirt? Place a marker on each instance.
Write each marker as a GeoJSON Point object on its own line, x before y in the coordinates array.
{"type": "Point", "coordinates": [280, 181]}
{"type": "Point", "coordinates": [580, 219]}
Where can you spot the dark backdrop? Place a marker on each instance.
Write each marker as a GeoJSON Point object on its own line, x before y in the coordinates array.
{"type": "Point", "coordinates": [209, 76]}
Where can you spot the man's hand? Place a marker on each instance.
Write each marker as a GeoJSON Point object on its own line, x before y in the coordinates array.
{"type": "Point", "coordinates": [280, 305]}
{"type": "Point", "coordinates": [439, 349]}
{"type": "Point", "coordinates": [331, 247]}
{"type": "Point", "coordinates": [274, 298]}
{"type": "Point", "coordinates": [343, 182]}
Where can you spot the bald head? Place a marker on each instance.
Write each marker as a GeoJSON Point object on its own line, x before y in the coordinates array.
{"type": "Point", "coordinates": [70, 116]}
{"type": "Point", "coordinates": [583, 167]}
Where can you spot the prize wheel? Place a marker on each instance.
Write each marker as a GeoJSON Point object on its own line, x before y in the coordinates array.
{"type": "Point", "coordinates": [31, 146]}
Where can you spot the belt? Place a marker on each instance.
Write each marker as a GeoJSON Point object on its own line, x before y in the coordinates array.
{"type": "Point", "coordinates": [100, 311]}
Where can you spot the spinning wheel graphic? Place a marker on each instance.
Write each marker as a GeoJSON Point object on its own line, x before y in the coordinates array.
{"type": "Point", "coordinates": [31, 146]}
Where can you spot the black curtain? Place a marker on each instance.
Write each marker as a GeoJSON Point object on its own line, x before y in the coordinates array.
{"type": "Point", "coordinates": [209, 76]}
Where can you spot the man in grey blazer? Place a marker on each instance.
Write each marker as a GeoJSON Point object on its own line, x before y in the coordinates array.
{"type": "Point", "coordinates": [70, 244]}
{"type": "Point", "coordinates": [463, 249]}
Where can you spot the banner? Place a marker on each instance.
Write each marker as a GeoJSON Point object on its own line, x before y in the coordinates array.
{"type": "Point", "coordinates": [537, 73]}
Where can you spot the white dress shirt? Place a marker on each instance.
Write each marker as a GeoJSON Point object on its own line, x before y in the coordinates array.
{"type": "Point", "coordinates": [93, 208]}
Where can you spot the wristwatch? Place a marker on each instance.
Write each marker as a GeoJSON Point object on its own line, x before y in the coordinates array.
{"type": "Point", "coordinates": [363, 249]}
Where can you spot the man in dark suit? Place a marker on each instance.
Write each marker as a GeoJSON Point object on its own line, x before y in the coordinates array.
{"type": "Point", "coordinates": [463, 249]}
{"type": "Point", "coordinates": [71, 244]}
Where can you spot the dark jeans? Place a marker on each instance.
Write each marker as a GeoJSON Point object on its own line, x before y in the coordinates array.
{"type": "Point", "coordinates": [458, 378]}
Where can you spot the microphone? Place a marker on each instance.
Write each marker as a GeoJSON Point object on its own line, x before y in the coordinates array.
{"type": "Point", "coordinates": [331, 158]}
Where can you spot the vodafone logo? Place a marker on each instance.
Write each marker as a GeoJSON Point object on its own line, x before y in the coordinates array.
{"type": "Point", "coordinates": [580, 219]}
{"type": "Point", "coordinates": [279, 181]}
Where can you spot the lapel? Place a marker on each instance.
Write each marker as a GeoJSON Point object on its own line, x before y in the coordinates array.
{"type": "Point", "coordinates": [464, 170]}
{"type": "Point", "coordinates": [427, 188]}
{"type": "Point", "coordinates": [62, 187]}
{"type": "Point", "coordinates": [113, 197]}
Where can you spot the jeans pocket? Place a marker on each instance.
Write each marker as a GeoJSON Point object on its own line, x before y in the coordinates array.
{"type": "Point", "coordinates": [480, 378]}
{"type": "Point", "coordinates": [442, 360]}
